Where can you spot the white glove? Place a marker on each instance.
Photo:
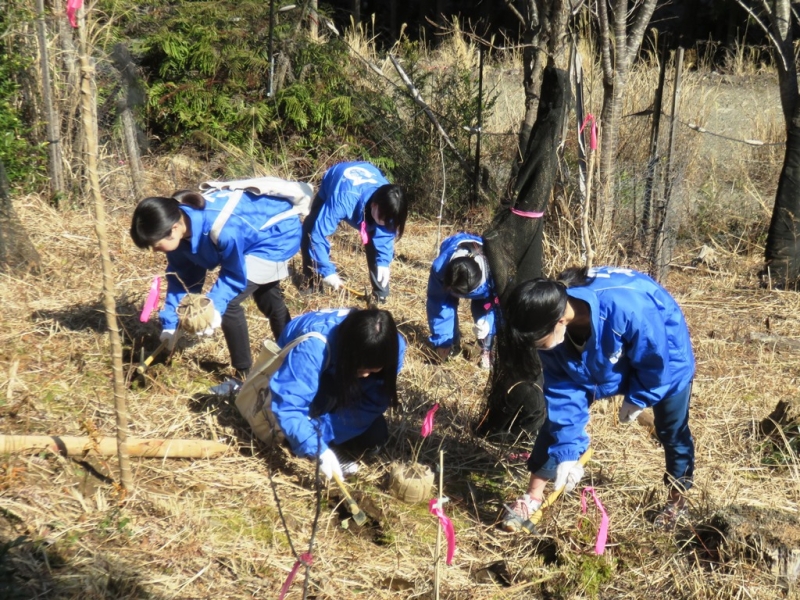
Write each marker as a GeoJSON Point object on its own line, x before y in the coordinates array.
{"type": "Point", "coordinates": [333, 281]}
{"type": "Point", "coordinates": [628, 412]}
{"type": "Point", "coordinates": [215, 323]}
{"type": "Point", "coordinates": [568, 474]}
{"type": "Point", "coordinates": [170, 337]}
{"type": "Point", "coordinates": [329, 464]}
{"type": "Point", "coordinates": [482, 328]}
{"type": "Point", "coordinates": [383, 276]}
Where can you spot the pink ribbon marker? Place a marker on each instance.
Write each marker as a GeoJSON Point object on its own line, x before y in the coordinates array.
{"type": "Point", "coordinates": [427, 422]}
{"type": "Point", "coordinates": [303, 559]}
{"type": "Point", "coordinates": [527, 214]}
{"type": "Point", "coordinates": [363, 232]}
{"type": "Point", "coordinates": [152, 300]}
{"type": "Point", "coordinates": [602, 532]}
{"type": "Point", "coordinates": [593, 137]}
{"type": "Point", "coordinates": [73, 6]}
{"type": "Point", "coordinates": [435, 507]}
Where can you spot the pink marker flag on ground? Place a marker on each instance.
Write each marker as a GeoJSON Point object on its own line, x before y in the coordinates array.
{"type": "Point", "coordinates": [602, 532]}
{"type": "Point", "coordinates": [303, 559]}
{"type": "Point", "coordinates": [73, 6]}
{"type": "Point", "coordinates": [435, 508]}
{"type": "Point", "coordinates": [427, 423]}
{"type": "Point", "coordinates": [152, 300]}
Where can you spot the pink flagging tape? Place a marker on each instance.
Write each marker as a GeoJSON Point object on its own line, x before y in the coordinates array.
{"type": "Point", "coordinates": [303, 559]}
{"type": "Point", "coordinates": [526, 214]}
{"type": "Point", "coordinates": [435, 507]}
{"type": "Point", "coordinates": [593, 137]}
{"type": "Point", "coordinates": [602, 532]}
{"type": "Point", "coordinates": [152, 300]}
{"type": "Point", "coordinates": [73, 6]}
{"type": "Point", "coordinates": [427, 422]}
{"type": "Point", "coordinates": [363, 232]}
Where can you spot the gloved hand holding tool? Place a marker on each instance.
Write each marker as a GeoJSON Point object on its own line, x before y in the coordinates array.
{"type": "Point", "coordinates": [333, 280]}
{"type": "Point", "coordinates": [629, 411]}
{"type": "Point", "coordinates": [530, 524]}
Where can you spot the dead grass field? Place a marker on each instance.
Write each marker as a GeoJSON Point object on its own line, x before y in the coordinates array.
{"type": "Point", "coordinates": [229, 527]}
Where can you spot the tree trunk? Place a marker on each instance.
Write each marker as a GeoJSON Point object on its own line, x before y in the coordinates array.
{"type": "Point", "coordinates": [17, 252]}
{"type": "Point", "coordinates": [54, 149]}
{"type": "Point", "coordinates": [617, 55]}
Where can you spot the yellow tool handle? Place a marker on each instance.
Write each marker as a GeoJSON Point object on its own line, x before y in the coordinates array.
{"type": "Point", "coordinates": [537, 516]}
{"type": "Point", "coordinates": [342, 487]}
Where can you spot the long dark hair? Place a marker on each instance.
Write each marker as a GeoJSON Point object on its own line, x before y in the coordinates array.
{"type": "Point", "coordinates": [366, 339]}
{"type": "Point", "coordinates": [154, 217]}
{"type": "Point", "coordinates": [462, 275]}
{"type": "Point", "coordinates": [532, 310]}
{"type": "Point", "coordinates": [392, 207]}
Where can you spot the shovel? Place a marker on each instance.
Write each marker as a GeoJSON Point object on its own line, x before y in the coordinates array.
{"type": "Point", "coordinates": [145, 364]}
{"type": "Point", "coordinates": [530, 524]}
{"type": "Point", "coordinates": [359, 516]}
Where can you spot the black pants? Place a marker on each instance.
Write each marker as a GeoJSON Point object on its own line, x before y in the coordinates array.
{"type": "Point", "coordinates": [269, 300]}
{"type": "Point", "coordinates": [379, 291]}
{"type": "Point", "coordinates": [375, 436]}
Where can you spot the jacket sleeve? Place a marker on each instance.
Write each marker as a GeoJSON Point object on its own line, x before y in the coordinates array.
{"type": "Point", "coordinates": [647, 350]}
{"type": "Point", "coordinates": [441, 308]}
{"type": "Point", "coordinates": [232, 278]}
{"type": "Point", "coordinates": [293, 388]}
{"type": "Point", "coordinates": [320, 248]}
{"type": "Point", "coordinates": [568, 414]}
{"type": "Point", "coordinates": [383, 240]}
{"type": "Point", "coordinates": [180, 272]}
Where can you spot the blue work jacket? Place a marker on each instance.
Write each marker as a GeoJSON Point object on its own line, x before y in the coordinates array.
{"type": "Point", "coordinates": [240, 236]}
{"type": "Point", "coordinates": [345, 190]}
{"type": "Point", "coordinates": [639, 348]}
{"type": "Point", "coordinates": [442, 306]}
{"type": "Point", "coordinates": [295, 384]}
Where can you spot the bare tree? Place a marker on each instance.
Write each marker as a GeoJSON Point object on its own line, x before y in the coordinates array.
{"type": "Point", "coordinates": [622, 27]}
{"type": "Point", "coordinates": [782, 250]}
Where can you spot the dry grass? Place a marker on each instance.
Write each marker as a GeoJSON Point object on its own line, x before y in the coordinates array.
{"type": "Point", "coordinates": [211, 528]}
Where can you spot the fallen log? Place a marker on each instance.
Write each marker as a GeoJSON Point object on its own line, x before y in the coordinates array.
{"type": "Point", "coordinates": [107, 446]}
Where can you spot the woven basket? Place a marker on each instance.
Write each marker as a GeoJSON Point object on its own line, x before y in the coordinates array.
{"type": "Point", "coordinates": [195, 312]}
{"type": "Point", "coordinates": [411, 483]}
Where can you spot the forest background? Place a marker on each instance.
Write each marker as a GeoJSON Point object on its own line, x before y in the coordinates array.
{"type": "Point", "coordinates": [197, 89]}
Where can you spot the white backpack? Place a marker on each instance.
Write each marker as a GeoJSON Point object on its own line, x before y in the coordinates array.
{"type": "Point", "coordinates": [254, 399]}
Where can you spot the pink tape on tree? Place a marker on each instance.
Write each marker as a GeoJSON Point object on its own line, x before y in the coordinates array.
{"type": "Point", "coordinates": [526, 214]}
{"type": "Point", "coordinates": [363, 232]}
{"type": "Point", "coordinates": [427, 422]}
{"type": "Point", "coordinates": [435, 508]}
{"type": "Point", "coordinates": [303, 559]}
{"type": "Point", "coordinates": [73, 6]}
{"type": "Point", "coordinates": [152, 300]}
{"type": "Point", "coordinates": [602, 532]}
{"type": "Point", "coordinates": [593, 132]}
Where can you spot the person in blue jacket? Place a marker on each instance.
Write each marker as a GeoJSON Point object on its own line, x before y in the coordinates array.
{"type": "Point", "coordinates": [334, 393]}
{"type": "Point", "coordinates": [359, 194]}
{"type": "Point", "coordinates": [600, 333]}
{"type": "Point", "coordinates": [224, 229]}
{"type": "Point", "coordinates": [461, 271]}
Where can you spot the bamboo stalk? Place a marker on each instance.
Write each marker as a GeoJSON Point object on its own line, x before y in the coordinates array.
{"type": "Point", "coordinates": [107, 446]}
{"type": "Point", "coordinates": [89, 114]}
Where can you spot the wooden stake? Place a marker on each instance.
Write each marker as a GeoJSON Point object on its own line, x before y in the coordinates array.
{"type": "Point", "coordinates": [437, 557]}
{"type": "Point", "coordinates": [107, 446]}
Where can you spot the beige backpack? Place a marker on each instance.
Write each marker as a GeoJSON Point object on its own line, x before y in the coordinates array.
{"type": "Point", "coordinates": [254, 399]}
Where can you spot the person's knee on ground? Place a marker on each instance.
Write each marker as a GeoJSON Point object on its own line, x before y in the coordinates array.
{"type": "Point", "coordinates": [376, 436]}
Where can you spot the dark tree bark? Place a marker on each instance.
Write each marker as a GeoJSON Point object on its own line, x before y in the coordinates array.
{"type": "Point", "coordinates": [17, 252]}
{"type": "Point", "coordinates": [514, 250]}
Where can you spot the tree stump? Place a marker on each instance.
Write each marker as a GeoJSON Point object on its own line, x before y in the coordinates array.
{"type": "Point", "coordinates": [765, 537]}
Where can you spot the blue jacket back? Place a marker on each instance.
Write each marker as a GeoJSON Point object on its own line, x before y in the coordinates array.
{"type": "Point", "coordinates": [345, 190]}
{"type": "Point", "coordinates": [295, 384]}
{"type": "Point", "coordinates": [639, 348]}
{"type": "Point", "coordinates": [442, 306]}
{"type": "Point", "coordinates": [241, 235]}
